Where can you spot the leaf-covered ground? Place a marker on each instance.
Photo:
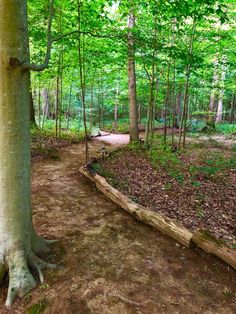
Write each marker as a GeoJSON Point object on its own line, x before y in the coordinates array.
{"type": "Point", "coordinates": [197, 188]}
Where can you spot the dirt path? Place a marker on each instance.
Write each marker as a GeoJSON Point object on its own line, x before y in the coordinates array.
{"type": "Point", "coordinates": [113, 263]}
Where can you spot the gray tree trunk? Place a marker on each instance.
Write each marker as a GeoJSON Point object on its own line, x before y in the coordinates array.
{"type": "Point", "coordinates": [18, 240]}
{"type": "Point", "coordinates": [133, 111]}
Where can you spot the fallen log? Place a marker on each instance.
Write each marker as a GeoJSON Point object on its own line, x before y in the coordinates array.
{"type": "Point", "coordinates": [141, 213]}
{"type": "Point", "coordinates": [216, 247]}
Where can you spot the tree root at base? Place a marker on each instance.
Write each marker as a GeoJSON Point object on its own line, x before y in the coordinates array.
{"type": "Point", "coordinates": [21, 280]}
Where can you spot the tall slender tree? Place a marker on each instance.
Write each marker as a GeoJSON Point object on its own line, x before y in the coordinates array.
{"type": "Point", "coordinates": [133, 111]}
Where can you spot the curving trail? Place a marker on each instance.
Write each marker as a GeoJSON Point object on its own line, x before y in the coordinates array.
{"type": "Point", "coordinates": [113, 263]}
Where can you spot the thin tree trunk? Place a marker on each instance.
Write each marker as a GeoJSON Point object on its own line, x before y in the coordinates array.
{"type": "Point", "coordinates": [92, 106]}
{"type": "Point", "coordinates": [82, 78]}
{"type": "Point", "coordinates": [215, 81]}
{"type": "Point", "coordinates": [116, 108]}
{"type": "Point", "coordinates": [133, 112]}
{"type": "Point", "coordinates": [174, 106]}
{"type": "Point", "coordinates": [45, 105]}
{"type": "Point", "coordinates": [184, 117]}
{"type": "Point", "coordinates": [57, 102]}
{"type": "Point", "coordinates": [69, 107]}
{"type": "Point", "coordinates": [39, 108]}
{"type": "Point", "coordinates": [61, 94]}
{"type": "Point", "coordinates": [32, 111]}
{"type": "Point", "coordinates": [150, 114]}
{"type": "Point", "coordinates": [219, 115]}
{"type": "Point", "coordinates": [232, 109]}
{"type": "Point", "coordinates": [166, 103]}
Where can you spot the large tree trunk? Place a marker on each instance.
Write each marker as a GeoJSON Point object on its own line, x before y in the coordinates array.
{"type": "Point", "coordinates": [18, 241]}
{"type": "Point", "coordinates": [133, 111]}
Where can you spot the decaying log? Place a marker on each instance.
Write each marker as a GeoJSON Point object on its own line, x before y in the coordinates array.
{"type": "Point", "coordinates": [211, 245]}
{"type": "Point", "coordinates": [159, 222]}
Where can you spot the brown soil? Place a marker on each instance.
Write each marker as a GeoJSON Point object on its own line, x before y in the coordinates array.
{"type": "Point", "coordinates": [113, 263]}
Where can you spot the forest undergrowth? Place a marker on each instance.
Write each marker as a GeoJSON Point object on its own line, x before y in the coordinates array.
{"type": "Point", "coordinates": [45, 144]}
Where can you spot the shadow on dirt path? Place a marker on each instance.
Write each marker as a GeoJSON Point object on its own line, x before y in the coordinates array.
{"type": "Point", "coordinates": [113, 263]}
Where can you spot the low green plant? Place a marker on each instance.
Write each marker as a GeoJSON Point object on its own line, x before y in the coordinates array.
{"type": "Point", "coordinates": [37, 308]}
{"type": "Point", "coordinates": [234, 148]}
{"type": "Point", "coordinates": [211, 165]}
{"type": "Point", "coordinates": [226, 128]}
{"type": "Point", "coordinates": [101, 171]}
{"type": "Point", "coordinates": [162, 157]}
{"type": "Point", "coordinates": [201, 213]}
{"type": "Point", "coordinates": [196, 183]}
{"type": "Point", "coordinates": [168, 186]}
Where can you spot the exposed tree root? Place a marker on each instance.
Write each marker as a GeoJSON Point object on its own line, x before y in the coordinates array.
{"type": "Point", "coordinates": [36, 262]}
{"type": "Point", "coordinates": [21, 281]}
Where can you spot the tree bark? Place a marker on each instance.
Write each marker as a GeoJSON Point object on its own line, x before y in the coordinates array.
{"type": "Point", "coordinates": [133, 111]}
{"type": "Point", "coordinates": [18, 241]}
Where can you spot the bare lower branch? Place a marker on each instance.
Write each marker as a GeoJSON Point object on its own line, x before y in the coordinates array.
{"type": "Point", "coordinates": [44, 65]}
{"type": "Point", "coordinates": [90, 33]}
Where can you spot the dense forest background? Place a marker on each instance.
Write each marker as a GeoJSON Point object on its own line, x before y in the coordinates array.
{"type": "Point", "coordinates": [184, 56]}
{"type": "Point", "coordinates": [132, 84]}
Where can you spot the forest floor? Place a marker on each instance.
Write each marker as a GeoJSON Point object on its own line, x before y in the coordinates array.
{"type": "Point", "coordinates": [196, 187]}
{"type": "Point", "coordinates": [113, 263]}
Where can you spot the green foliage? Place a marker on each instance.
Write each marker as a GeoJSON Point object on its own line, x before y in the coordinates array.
{"type": "Point", "coordinates": [226, 128]}
{"type": "Point", "coordinates": [101, 171]}
{"type": "Point", "coordinates": [201, 214]}
{"type": "Point", "coordinates": [49, 133]}
{"type": "Point", "coordinates": [163, 158]}
{"type": "Point", "coordinates": [122, 127]}
{"type": "Point", "coordinates": [38, 307]}
{"type": "Point", "coordinates": [212, 164]}
{"type": "Point", "coordinates": [162, 35]}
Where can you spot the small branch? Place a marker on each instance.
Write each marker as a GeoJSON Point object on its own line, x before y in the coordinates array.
{"type": "Point", "coordinates": [44, 65]}
{"type": "Point", "coordinates": [121, 297]}
{"type": "Point", "coordinates": [145, 68]}
{"type": "Point", "coordinates": [86, 33]}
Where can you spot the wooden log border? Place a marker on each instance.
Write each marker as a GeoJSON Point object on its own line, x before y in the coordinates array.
{"type": "Point", "coordinates": [166, 225]}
